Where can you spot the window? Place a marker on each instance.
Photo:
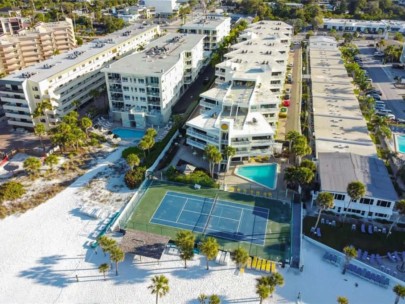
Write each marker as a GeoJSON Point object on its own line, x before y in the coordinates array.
{"type": "Point", "coordinates": [142, 90]}
{"type": "Point", "coordinates": [126, 88]}
{"type": "Point", "coordinates": [340, 197]}
{"type": "Point", "coordinates": [142, 98]}
{"type": "Point", "coordinates": [383, 203]}
{"type": "Point", "coordinates": [127, 97]}
{"type": "Point", "coordinates": [124, 79]}
{"type": "Point", "coordinates": [366, 201]}
{"type": "Point", "coordinates": [380, 215]}
{"type": "Point", "coordinates": [275, 82]}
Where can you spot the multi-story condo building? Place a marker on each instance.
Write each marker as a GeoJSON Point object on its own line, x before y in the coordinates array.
{"type": "Point", "coordinates": [66, 78]}
{"type": "Point", "coordinates": [143, 87]}
{"type": "Point", "coordinates": [241, 111]}
{"type": "Point", "coordinates": [12, 25]}
{"type": "Point", "coordinates": [372, 27]}
{"type": "Point", "coordinates": [163, 7]}
{"type": "Point", "coordinates": [343, 147]}
{"type": "Point", "coordinates": [215, 28]}
{"type": "Point", "coordinates": [29, 47]}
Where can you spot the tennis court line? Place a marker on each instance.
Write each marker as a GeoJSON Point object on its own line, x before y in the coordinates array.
{"type": "Point", "coordinates": [226, 203]}
{"type": "Point", "coordinates": [204, 197]}
{"type": "Point", "coordinates": [240, 218]}
{"type": "Point", "coordinates": [252, 241]}
{"type": "Point", "coordinates": [222, 217]}
{"type": "Point", "coordinates": [181, 211]}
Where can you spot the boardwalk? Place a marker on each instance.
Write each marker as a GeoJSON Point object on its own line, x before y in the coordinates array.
{"type": "Point", "coordinates": [296, 230]}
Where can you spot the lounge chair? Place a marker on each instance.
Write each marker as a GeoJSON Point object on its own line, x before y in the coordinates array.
{"type": "Point", "coordinates": [249, 263]}
{"type": "Point", "coordinates": [363, 228]}
{"type": "Point", "coordinates": [268, 266]}
{"type": "Point", "coordinates": [264, 264]}
{"type": "Point", "coordinates": [218, 258]}
{"type": "Point", "coordinates": [273, 267]}
{"type": "Point", "coordinates": [359, 254]}
{"type": "Point", "coordinates": [384, 230]}
{"type": "Point", "coordinates": [318, 232]}
{"type": "Point", "coordinates": [322, 221]}
{"type": "Point", "coordinates": [254, 263]}
{"type": "Point", "coordinates": [397, 257]}
{"type": "Point", "coordinates": [312, 229]}
{"type": "Point", "coordinates": [259, 264]}
{"type": "Point", "coordinates": [370, 229]}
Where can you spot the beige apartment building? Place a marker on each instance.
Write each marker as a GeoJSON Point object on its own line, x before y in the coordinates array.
{"type": "Point", "coordinates": [29, 47]}
{"type": "Point", "coordinates": [12, 25]}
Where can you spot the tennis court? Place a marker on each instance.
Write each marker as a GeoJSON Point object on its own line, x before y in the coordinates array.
{"type": "Point", "coordinates": [212, 216]}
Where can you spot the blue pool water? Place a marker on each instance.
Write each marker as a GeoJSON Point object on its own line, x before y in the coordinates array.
{"type": "Point", "coordinates": [128, 133]}
{"type": "Point", "coordinates": [264, 175]}
{"type": "Point", "coordinates": [401, 143]}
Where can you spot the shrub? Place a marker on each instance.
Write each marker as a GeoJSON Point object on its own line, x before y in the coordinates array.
{"type": "Point", "coordinates": [282, 115]}
{"type": "Point", "coordinates": [98, 137]}
{"type": "Point", "coordinates": [197, 177]}
{"type": "Point", "coordinates": [133, 178]}
{"type": "Point", "coordinates": [132, 150]}
{"type": "Point", "coordinates": [11, 190]}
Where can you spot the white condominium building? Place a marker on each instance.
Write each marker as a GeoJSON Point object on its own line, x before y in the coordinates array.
{"type": "Point", "coordinates": [67, 78]}
{"type": "Point", "coordinates": [165, 7]}
{"type": "Point", "coordinates": [11, 25]}
{"type": "Point", "coordinates": [215, 28]}
{"type": "Point", "coordinates": [29, 47]}
{"type": "Point", "coordinates": [143, 87]}
{"type": "Point", "coordinates": [241, 111]}
{"type": "Point", "coordinates": [369, 26]}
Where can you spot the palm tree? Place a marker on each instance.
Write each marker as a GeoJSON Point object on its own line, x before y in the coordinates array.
{"type": "Point", "coordinates": [380, 124]}
{"type": "Point", "coordinates": [298, 176]}
{"type": "Point", "coordinates": [209, 247]}
{"type": "Point", "coordinates": [51, 161]}
{"type": "Point", "coordinates": [143, 145]}
{"type": "Point", "coordinates": [103, 268]}
{"type": "Point", "coordinates": [185, 242]}
{"type": "Point", "coordinates": [342, 300]}
{"type": "Point", "coordinates": [213, 155]}
{"type": "Point", "coordinates": [265, 286]}
{"type": "Point", "coordinates": [229, 152]}
{"type": "Point", "coordinates": [159, 287]}
{"type": "Point", "coordinates": [291, 136]}
{"type": "Point", "coordinates": [76, 104]}
{"type": "Point", "coordinates": [42, 107]}
{"type": "Point", "coordinates": [240, 256]}
{"type": "Point", "coordinates": [355, 190]}
{"type": "Point", "coordinates": [214, 299]}
{"type": "Point", "coordinates": [151, 132]}
{"type": "Point", "coordinates": [32, 165]}
{"type": "Point", "coordinates": [350, 253]}
{"type": "Point", "coordinates": [325, 200]}
{"type": "Point", "coordinates": [116, 256]}
{"type": "Point", "coordinates": [133, 160]}
{"type": "Point", "coordinates": [40, 131]}
{"type": "Point", "coordinates": [400, 208]}
{"type": "Point", "coordinates": [86, 124]}
{"type": "Point", "coordinates": [301, 148]}
{"type": "Point", "coordinates": [106, 243]}
{"type": "Point", "coordinates": [201, 298]}
{"type": "Point", "coordinates": [399, 290]}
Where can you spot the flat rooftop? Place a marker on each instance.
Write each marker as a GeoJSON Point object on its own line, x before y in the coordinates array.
{"type": "Point", "coordinates": [205, 23]}
{"type": "Point", "coordinates": [59, 63]}
{"type": "Point", "coordinates": [338, 122]}
{"type": "Point", "coordinates": [158, 57]}
{"type": "Point", "coordinates": [337, 170]}
{"type": "Point", "coordinates": [365, 22]}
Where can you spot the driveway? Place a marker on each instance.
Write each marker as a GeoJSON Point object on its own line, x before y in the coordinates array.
{"type": "Point", "coordinates": [383, 79]}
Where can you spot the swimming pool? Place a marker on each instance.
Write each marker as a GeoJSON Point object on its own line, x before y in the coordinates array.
{"type": "Point", "coordinates": [128, 133]}
{"type": "Point", "coordinates": [400, 143]}
{"type": "Point", "coordinates": [265, 175]}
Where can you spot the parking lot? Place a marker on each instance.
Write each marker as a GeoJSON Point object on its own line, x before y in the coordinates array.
{"type": "Point", "coordinates": [382, 76]}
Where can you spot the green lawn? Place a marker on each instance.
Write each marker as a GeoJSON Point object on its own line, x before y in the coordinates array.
{"type": "Point", "coordinates": [277, 242]}
{"type": "Point", "coordinates": [340, 236]}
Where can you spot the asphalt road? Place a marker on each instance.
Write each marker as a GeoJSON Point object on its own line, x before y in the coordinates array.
{"type": "Point", "coordinates": [294, 110]}
{"type": "Point", "coordinates": [383, 78]}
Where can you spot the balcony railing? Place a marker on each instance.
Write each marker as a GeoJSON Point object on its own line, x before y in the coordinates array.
{"type": "Point", "coordinates": [202, 136]}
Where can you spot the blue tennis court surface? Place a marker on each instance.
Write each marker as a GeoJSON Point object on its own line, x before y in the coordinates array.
{"type": "Point", "coordinates": [220, 219]}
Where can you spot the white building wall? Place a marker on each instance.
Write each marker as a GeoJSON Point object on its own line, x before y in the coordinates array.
{"type": "Point", "coordinates": [162, 6]}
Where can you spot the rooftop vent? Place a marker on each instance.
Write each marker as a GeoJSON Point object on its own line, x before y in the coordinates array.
{"type": "Point", "coordinates": [27, 74]}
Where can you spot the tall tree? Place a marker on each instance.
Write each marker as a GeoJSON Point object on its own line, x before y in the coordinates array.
{"type": "Point", "coordinates": [214, 299]}
{"type": "Point", "coordinates": [159, 287]}
{"type": "Point", "coordinates": [209, 247]}
{"type": "Point", "coordinates": [116, 256]}
{"type": "Point", "coordinates": [213, 156]}
{"type": "Point", "coordinates": [229, 152]}
{"type": "Point", "coordinates": [86, 124]}
{"type": "Point", "coordinates": [151, 132]}
{"type": "Point", "coordinates": [202, 298]}
{"type": "Point", "coordinates": [103, 268]}
{"type": "Point", "coordinates": [399, 291]}
{"type": "Point", "coordinates": [292, 136]}
{"type": "Point", "coordinates": [185, 242]}
{"type": "Point", "coordinates": [265, 286]}
{"type": "Point", "coordinates": [324, 201]}
{"type": "Point", "coordinates": [355, 190]}
{"type": "Point", "coordinates": [42, 108]}
{"type": "Point", "coordinates": [40, 131]}
{"type": "Point", "coordinates": [350, 253]}
{"type": "Point", "coordinates": [240, 256]}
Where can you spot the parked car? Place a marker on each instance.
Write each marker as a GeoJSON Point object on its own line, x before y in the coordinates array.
{"type": "Point", "coordinates": [288, 91]}
{"type": "Point", "coordinates": [375, 96]}
{"type": "Point", "coordinates": [374, 91]}
{"type": "Point", "coordinates": [397, 66]}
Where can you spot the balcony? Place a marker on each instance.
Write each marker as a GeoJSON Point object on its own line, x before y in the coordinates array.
{"type": "Point", "coordinates": [14, 108]}
{"type": "Point", "coordinates": [13, 99]}
{"type": "Point", "coordinates": [211, 139]}
{"type": "Point", "coordinates": [20, 123]}
{"type": "Point", "coordinates": [195, 144]}
{"type": "Point", "coordinates": [114, 79]}
{"type": "Point", "coordinates": [18, 115]}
